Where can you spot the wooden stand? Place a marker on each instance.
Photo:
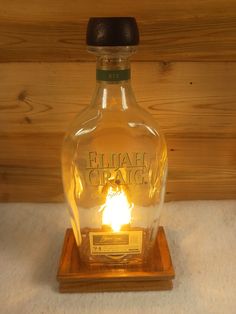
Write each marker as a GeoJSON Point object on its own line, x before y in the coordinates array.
{"type": "Point", "coordinates": [73, 276]}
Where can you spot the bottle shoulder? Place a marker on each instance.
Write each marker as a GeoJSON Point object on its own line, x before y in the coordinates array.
{"type": "Point", "coordinates": [143, 119]}
{"type": "Point", "coordinates": [93, 120]}
{"type": "Point", "coordinates": [83, 123]}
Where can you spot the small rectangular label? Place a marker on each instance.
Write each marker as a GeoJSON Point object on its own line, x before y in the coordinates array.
{"type": "Point", "coordinates": [116, 243]}
{"type": "Point", "coordinates": [113, 75]}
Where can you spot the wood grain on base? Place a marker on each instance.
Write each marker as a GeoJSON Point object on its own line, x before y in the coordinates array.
{"type": "Point", "coordinates": [119, 286]}
{"type": "Point", "coordinates": [76, 277]}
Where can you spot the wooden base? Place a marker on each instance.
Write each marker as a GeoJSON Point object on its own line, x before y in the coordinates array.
{"type": "Point", "coordinates": [73, 276]}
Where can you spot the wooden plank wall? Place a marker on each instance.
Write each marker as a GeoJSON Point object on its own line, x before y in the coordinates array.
{"type": "Point", "coordinates": [184, 74]}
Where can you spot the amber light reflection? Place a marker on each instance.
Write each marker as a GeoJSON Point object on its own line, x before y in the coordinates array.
{"type": "Point", "coordinates": [117, 210]}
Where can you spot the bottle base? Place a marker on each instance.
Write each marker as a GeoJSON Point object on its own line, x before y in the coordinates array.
{"type": "Point", "coordinates": [127, 248]}
{"type": "Point", "coordinates": [74, 276]}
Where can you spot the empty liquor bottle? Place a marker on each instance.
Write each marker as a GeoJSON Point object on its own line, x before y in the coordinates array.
{"type": "Point", "coordinates": [114, 157]}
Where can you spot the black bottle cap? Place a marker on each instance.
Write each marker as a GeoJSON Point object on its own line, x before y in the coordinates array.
{"type": "Point", "coordinates": [112, 31]}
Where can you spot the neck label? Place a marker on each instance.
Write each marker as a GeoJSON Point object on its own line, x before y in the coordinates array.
{"type": "Point", "coordinates": [113, 75]}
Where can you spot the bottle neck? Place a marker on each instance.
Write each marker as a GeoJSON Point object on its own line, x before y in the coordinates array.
{"type": "Point", "coordinates": [113, 88]}
{"type": "Point", "coordinates": [112, 69]}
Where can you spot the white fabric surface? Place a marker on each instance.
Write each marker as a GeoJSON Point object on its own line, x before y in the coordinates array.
{"type": "Point", "coordinates": [201, 236]}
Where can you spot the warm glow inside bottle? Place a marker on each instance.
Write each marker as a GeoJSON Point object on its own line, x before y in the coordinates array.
{"type": "Point", "coordinates": [114, 158]}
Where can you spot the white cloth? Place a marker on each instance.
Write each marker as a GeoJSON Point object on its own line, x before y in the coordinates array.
{"type": "Point", "coordinates": [201, 236]}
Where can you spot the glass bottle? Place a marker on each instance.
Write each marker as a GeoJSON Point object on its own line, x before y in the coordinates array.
{"type": "Point", "coordinates": [114, 160]}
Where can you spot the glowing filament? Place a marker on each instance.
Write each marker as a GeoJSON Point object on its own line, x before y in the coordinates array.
{"type": "Point", "coordinates": [117, 210]}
